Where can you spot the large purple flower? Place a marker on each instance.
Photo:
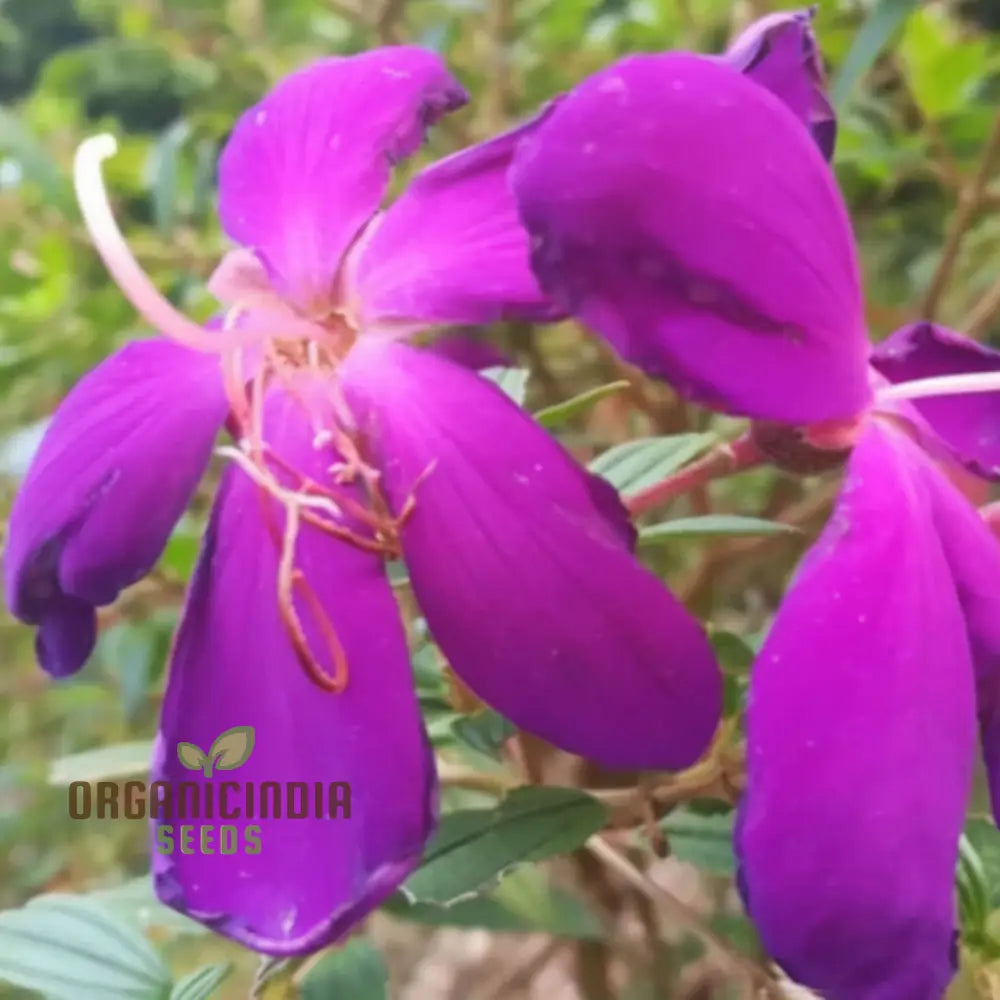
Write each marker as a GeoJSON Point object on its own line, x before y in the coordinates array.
{"type": "Point", "coordinates": [350, 447]}
{"type": "Point", "coordinates": [686, 214]}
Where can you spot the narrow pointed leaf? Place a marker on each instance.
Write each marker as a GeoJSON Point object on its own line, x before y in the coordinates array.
{"type": "Point", "coordinates": [559, 413]}
{"type": "Point", "coordinates": [711, 524]}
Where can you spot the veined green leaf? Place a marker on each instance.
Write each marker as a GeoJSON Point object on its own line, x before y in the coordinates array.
{"type": "Point", "coordinates": [633, 466]}
{"type": "Point", "coordinates": [73, 948]}
{"type": "Point", "coordinates": [473, 848]}
{"type": "Point", "coordinates": [524, 902]}
{"type": "Point", "coordinates": [202, 983]}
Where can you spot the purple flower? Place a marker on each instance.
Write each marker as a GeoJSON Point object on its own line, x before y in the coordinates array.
{"type": "Point", "coordinates": [685, 213]}
{"type": "Point", "coordinates": [350, 447]}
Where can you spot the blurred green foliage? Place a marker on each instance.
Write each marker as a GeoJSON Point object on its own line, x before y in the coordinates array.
{"type": "Point", "coordinates": [168, 77]}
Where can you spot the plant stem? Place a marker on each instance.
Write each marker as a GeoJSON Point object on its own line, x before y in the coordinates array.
{"type": "Point", "coordinates": [683, 915]}
{"type": "Point", "coordinates": [724, 460]}
{"type": "Point", "coordinates": [970, 197]}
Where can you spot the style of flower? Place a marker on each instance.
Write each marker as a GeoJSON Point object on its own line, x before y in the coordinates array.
{"type": "Point", "coordinates": [685, 214]}
{"type": "Point", "coordinates": [350, 447]}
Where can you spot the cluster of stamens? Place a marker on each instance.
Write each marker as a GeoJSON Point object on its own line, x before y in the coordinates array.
{"type": "Point", "coordinates": [299, 355]}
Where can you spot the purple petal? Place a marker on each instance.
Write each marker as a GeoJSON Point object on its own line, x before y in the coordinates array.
{"type": "Point", "coordinates": [685, 214]}
{"type": "Point", "coordinates": [306, 167]}
{"type": "Point", "coordinates": [313, 878]}
{"type": "Point", "coordinates": [521, 563]}
{"type": "Point", "coordinates": [779, 52]}
{"type": "Point", "coordinates": [452, 248]}
{"type": "Point", "coordinates": [968, 427]}
{"type": "Point", "coordinates": [117, 467]}
{"type": "Point", "coordinates": [974, 556]}
{"type": "Point", "coordinates": [860, 745]}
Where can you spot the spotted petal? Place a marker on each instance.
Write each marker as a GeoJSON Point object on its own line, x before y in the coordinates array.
{"type": "Point", "coordinates": [306, 167]}
{"type": "Point", "coordinates": [521, 564]}
{"type": "Point", "coordinates": [292, 885]}
{"type": "Point", "coordinates": [860, 743]}
{"type": "Point", "coordinates": [684, 213]}
{"type": "Point", "coordinates": [117, 466]}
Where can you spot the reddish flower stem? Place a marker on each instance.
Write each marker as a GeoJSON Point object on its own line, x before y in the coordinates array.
{"type": "Point", "coordinates": [723, 460]}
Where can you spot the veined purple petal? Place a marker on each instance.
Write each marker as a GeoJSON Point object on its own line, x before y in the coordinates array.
{"type": "Point", "coordinates": [779, 52]}
{"type": "Point", "coordinates": [313, 878]}
{"type": "Point", "coordinates": [684, 213]}
{"type": "Point", "coordinates": [452, 249]}
{"type": "Point", "coordinates": [117, 467]}
{"type": "Point", "coordinates": [521, 563]}
{"type": "Point", "coordinates": [306, 167]}
{"type": "Point", "coordinates": [967, 426]}
{"type": "Point", "coordinates": [860, 745]}
{"type": "Point", "coordinates": [974, 556]}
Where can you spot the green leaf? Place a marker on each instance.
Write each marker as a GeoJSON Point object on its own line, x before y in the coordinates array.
{"type": "Point", "coordinates": [886, 16]}
{"type": "Point", "coordinates": [128, 652]}
{"type": "Point", "coordinates": [706, 841]}
{"type": "Point", "coordinates": [136, 902]}
{"type": "Point", "coordinates": [711, 524]}
{"type": "Point", "coordinates": [735, 656]}
{"type": "Point", "coordinates": [486, 731]}
{"type": "Point", "coordinates": [984, 839]}
{"type": "Point", "coordinates": [354, 972]}
{"type": "Point", "coordinates": [942, 68]}
{"type": "Point", "coordinates": [635, 465]}
{"type": "Point", "coordinates": [120, 760]}
{"type": "Point", "coordinates": [73, 948]}
{"type": "Point", "coordinates": [524, 902]}
{"type": "Point", "coordinates": [163, 170]}
{"type": "Point", "coordinates": [35, 160]}
{"type": "Point", "coordinates": [473, 848]}
{"type": "Point", "coordinates": [201, 984]}
{"type": "Point", "coordinates": [513, 381]}
{"type": "Point", "coordinates": [559, 413]}
{"type": "Point", "coordinates": [973, 891]}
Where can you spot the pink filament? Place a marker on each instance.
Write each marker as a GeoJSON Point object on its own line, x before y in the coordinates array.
{"type": "Point", "coordinates": [114, 251]}
{"type": "Point", "coordinates": [943, 385]}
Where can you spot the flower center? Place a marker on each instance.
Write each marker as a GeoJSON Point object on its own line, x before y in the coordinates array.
{"type": "Point", "coordinates": [265, 344]}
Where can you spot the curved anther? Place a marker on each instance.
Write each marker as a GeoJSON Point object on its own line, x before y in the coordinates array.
{"type": "Point", "coordinates": [291, 580]}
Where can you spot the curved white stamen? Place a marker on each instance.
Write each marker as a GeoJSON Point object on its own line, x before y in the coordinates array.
{"type": "Point", "coordinates": [272, 486]}
{"type": "Point", "coordinates": [943, 385]}
{"type": "Point", "coordinates": [114, 251]}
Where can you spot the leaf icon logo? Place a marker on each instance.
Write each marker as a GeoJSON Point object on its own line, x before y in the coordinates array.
{"type": "Point", "coordinates": [230, 750]}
